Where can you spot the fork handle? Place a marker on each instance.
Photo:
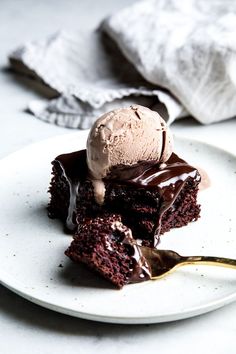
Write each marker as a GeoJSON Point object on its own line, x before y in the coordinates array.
{"type": "Point", "coordinates": [208, 260]}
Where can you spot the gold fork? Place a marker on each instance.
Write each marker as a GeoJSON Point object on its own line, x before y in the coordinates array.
{"type": "Point", "coordinates": [163, 262]}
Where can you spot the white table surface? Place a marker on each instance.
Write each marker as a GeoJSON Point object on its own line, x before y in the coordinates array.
{"type": "Point", "coordinates": [27, 328]}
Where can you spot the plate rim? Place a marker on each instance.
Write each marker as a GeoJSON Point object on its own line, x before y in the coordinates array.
{"type": "Point", "coordinates": [131, 320]}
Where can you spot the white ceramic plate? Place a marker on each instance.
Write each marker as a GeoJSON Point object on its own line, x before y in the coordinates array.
{"type": "Point", "coordinates": [32, 246]}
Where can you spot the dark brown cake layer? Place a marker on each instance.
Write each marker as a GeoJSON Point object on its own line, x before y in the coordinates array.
{"type": "Point", "coordinates": [151, 199]}
{"type": "Point", "coordinates": [107, 246]}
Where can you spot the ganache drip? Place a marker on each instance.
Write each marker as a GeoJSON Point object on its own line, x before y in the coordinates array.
{"type": "Point", "coordinates": [168, 179]}
{"type": "Point", "coordinates": [141, 269]}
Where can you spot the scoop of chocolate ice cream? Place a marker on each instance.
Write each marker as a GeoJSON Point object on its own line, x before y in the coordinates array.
{"type": "Point", "coordinates": [125, 137]}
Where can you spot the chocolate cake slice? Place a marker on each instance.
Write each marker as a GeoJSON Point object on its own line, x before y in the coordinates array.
{"type": "Point", "coordinates": [107, 246]}
{"type": "Point", "coordinates": [150, 204]}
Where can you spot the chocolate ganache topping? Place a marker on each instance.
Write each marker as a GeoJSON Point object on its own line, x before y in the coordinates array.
{"type": "Point", "coordinates": [141, 270]}
{"type": "Point", "coordinates": [168, 179]}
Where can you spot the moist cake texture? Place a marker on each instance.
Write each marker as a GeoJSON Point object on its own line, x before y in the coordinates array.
{"type": "Point", "coordinates": [107, 246]}
{"type": "Point", "coordinates": [151, 203]}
